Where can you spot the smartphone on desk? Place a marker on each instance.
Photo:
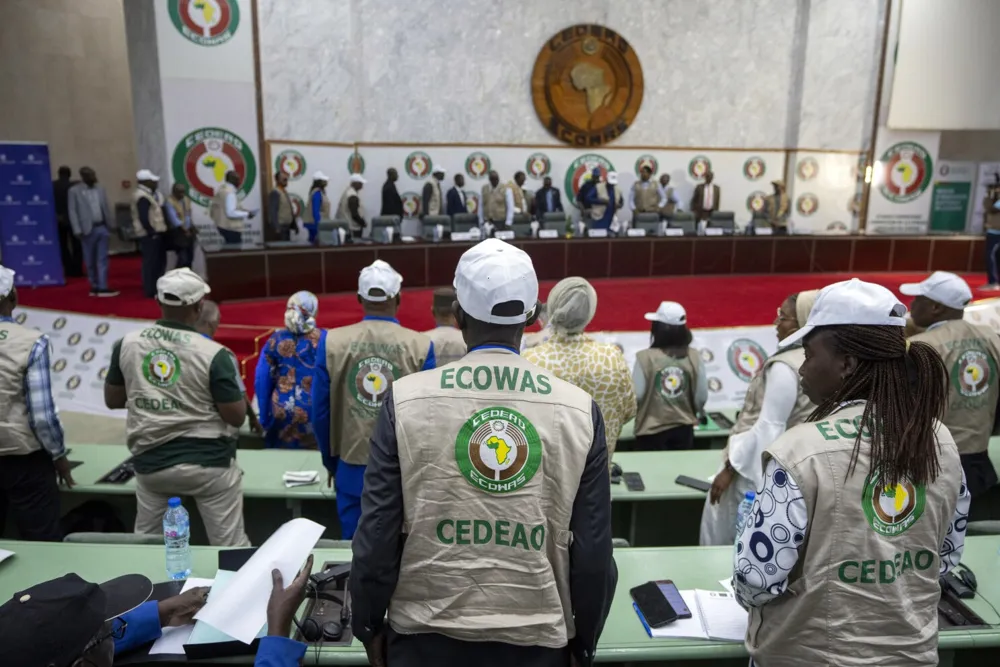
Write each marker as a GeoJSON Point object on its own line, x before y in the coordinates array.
{"type": "Point", "coordinates": [653, 605]}
{"type": "Point", "coordinates": [673, 596]}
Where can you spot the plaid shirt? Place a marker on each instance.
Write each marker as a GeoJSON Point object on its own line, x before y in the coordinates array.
{"type": "Point", "coordinates": [43, 417]}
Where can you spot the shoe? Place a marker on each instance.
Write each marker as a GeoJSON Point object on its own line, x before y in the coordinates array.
{"type": "Point", "coordinates": [107, 292]}
{"type": "Point", "coordinates": [990, 287]}
{"type": "Point", "coordinates": [94, 292]}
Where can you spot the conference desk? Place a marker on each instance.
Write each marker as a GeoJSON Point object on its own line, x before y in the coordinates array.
{"type": "Point", "coordinates": [623, 640]}
{"type": "Point", "coordinates": [711, 435]}
{"type": "Point", "coordinates": [255, 273]}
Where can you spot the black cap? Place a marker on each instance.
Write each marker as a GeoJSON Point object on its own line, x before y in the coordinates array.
{"type": "Point", "coordinates": [51, 623]}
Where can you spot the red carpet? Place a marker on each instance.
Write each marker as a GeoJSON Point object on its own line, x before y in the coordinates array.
{"type": "Point", "coordinates": [712, 301]}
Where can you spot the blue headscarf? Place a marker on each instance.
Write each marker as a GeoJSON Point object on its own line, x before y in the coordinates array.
{"type": "Point", "coordinates": [300, 313]}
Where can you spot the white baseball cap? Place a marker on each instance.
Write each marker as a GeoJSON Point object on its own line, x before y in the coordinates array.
{"type": "Point", "coordinates": [181, 287]}
{"type": "Point", "coordinates": [494, 272]}
{"type": "Point", "coordinates": [358, 178]}
{"type": "Point", "coordinates": [146, 175]}
{"type": "Point", "coordinates": [379, 275]}
{"type": "Point", "coordinates": [439, 170]}
{"type": "Point", "coordinates": [320, 176]}
{"type": "Point", "coordinates": [852, 302]}
{"type": "Point", "coordinates": [942, 287]}
{"type": "Point", "coordinates": [613, 177]}
{"type": "Point", "coordinates": [669, 312]}
{"type": "Point", "coordinates": [6, 281]}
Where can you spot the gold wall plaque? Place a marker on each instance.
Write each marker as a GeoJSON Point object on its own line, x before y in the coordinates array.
{"type": "Point", "coordinates": [587, 85]}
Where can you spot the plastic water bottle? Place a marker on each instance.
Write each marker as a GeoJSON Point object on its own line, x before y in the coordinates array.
{"type": "Point", "coordinates": [744, 512]}
{"type": "Point", "coordinates": [177, 538]}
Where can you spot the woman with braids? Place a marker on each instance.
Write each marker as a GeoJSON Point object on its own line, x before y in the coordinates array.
{"type": "Point", "coordinates": [861, 508]}
{"type": "Point", "coordinates": [774, 403]}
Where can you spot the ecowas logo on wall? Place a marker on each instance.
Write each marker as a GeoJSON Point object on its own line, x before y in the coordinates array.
{"type": "Point", "coordinates": [477, 165]}
{"type": "Point", "coordinates": [205, 22]}
{"type": "Point", "coordinates": [907, 169]}
{"type": "Point", "coordinates": [291, 163]}
{"type": "Point", "coordinates": [538, 165]}
{"type": "Point", "coordinates": [745, 358]}
{"type": "Point", "coordinates": [580, 171]}
{"type": "Point", "coordinates": [498, 450]}
{"type": "Point", "coordinates": [202, 158]}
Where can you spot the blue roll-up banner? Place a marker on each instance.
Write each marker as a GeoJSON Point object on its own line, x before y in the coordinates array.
{"type": "Point", "coordinates": [29, 240]}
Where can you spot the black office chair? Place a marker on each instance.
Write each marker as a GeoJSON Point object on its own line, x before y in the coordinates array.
{"type": "Point", "coordinates": [757, 222]}
{"type": "Point", "coordinates": [724, 220]}
{"type": "Point", "coordinates": [380, 226]}
{"type": "Point", "coordinates": [522, 230]}
{"type": "Point", "coordinates": [520, 219]}
{"type": "Point", "coordinates": [431, 223]}
{"type": "Point", "coordinates": [463, 222]}
{"type": "Point", "coordinates": [648, 221]}
{"type": "Point", "coordinates": [326, 231]}
{"type": "Point", "coordinates": [683, 220]}
{"type": "Point", "coordinates": [555, 217]}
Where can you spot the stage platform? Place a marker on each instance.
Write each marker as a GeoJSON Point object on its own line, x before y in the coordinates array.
{"type": "Point", "coordinates": [279, 271]}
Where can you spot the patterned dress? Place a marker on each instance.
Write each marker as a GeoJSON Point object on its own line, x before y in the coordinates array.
{"type": "Point", "coordinates": [283, 384]}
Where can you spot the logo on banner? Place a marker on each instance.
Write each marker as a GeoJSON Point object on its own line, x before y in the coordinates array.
{"type": "Point", "coordinates": [290, 163]}
{"type": "Point", "coordinates": [102, 328]}
{"type": "Point", "coordinates": [538, 165]}
{"type": "Point", "coordinates": [892, 510]}
{"type": "Point", "coordinates": [471, 201]}
{"type": "Point", "coordinates": [161, 368]}
{"type": "Point", "coordinates": [756, 201]}
{"type": "Point", "coordinates": [373, 377]}
{"type": "Point", "coordinates": [498, 450]}
{"type": "Point", "coordinates": [37, 201]}
{"type": "Point", "coordinates": [21, 318]}
{"type": "Point", "coordinates": [670, 382]}
{"type": "Point", "coordinates": [59, 324]}
{"type": "Point", "coordinates": [41, 240]}
{"type": "Point", "coordinates": [297, 204]}
{"type": "Point", "coordinates": [418, 164]}
{"type": "Point", "coordinates": [807, 204]}
{"type": "Point", "coordinates": [5, 160]}
{"type": "Point", "coordinates": [706, 355]}
{"type": "Point", "coordinates": [807, 168]}
{"type": "Point", "coordinates": [477, 165]}
{"type": "Point", "coordinates": [745, 358]}
{"type": "Point", "coordinates": [754, 168]}
{"type": "Point", "coordinates": [202, 158]}
{"type": "Point", "coordinates": [74, 339]}
{"type": "Point", "coordinates": [907, 169]}
{"type": "Point", "coordinates": [205, 22]}
{"type": "Point", "coordinates": [699, 166]}
{"type": "Point", "coordinates": [73, 382]}
{"type": "Point", "coordinates": [59, 365]}
{"type": "Point", "coordinates": [88, 355]}
{"type": "Point", "coordinates": [31, 159]}
{"type": "Point", "coordinates": [355, 163]}
{"type": "Point", "coordinates": [9, 200]}
{"type": "Point", "coordinates": [411, 204]}
{"type": "Point", "coordinates": [20, 180]}
{"type": "Point", "coordinates": [580, 170]}
{"type": "Point", "coordinates": [972, 373]}
{"type": "Point", "coordinates": [714, 385]}
{"type": "Point", "coordinates": [103, 373]}
{"type": "Point", "coordinates": [646, 161]}
{"type": "Point", "coordinates": [15, 240]}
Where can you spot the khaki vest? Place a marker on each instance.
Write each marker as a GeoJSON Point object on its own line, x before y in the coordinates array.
{"type": "Point", "coordinates": [491, 451]}
{"type": "Point", "coordinates": [646, 199]}
{"type": "Point", "coordinates": [754, 400]}
{"type": "Point", "coordinates": [434, 206]}
{"type": "Point", "coordinates": [182, 207]}
{"type": "Point", "coordinates": [865, 588]}
{"type": "Point", "coordinates": [286, 214]}
{"type": "Point", "coordinates": [16, 436]}
{"type": "Point", "coordinates": [518, 198]}
{"type": "Point", "coordinates": [344, 212]}
{"type": "Point", "coordinates": [597, 210]}
{"type": "Point", "coordinates": [776, 210]}
{"type": "Point", "coordinates": [971, 353]}
{"type": "Point", "coordinates": [493, 203]}
{"type": "Point", "coordinates": [670, 207]}
{"type": "Point", "coordinates": [324, 207]}
{"type": "Point", "coordinates": [167, 375]}
{"type": "Point", "coordinates": [364, 361]}
{"type": "Point", "coordinates": [217, 209]}
{"type": "Point", "coordinates": [669, 397]}
{"type": "Point", "coordinates": [449, 345]}
{"type": "Point", "coordinates": [991, 216]}
{"type": "Point", "coordinates": [156, 220]}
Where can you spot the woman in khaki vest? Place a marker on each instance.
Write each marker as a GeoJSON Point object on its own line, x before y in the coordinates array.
{"type": "Point", "coordinates": [861, 508]}
{"type": "Point", "coordinates": [774, 403]}
{"type": "Point", "coordinates": [670, 383]}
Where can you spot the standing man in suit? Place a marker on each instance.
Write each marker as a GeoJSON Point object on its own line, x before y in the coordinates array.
{"type": "Point", "coordinates": [392, 203]}
{"type": "Point", "coordinates": [645, 196]}
{"type": "Point", "coordinates": [547, 199]}
{"type": "Point", "coordinates": [706, 198]}
{"type": "Point", "coordinates": [90, 218]}
{"type": "Point", "coordinates": [433, 197]}
{"type": "Point", "coordinates": [225, 211]}
{"type": "Point", "coordinates": [69, 245]}
{"type": "Point", "coordinates": [456, 197]}
{"type": "Point", "coordinates": [777, 207]}
{"type": "Point", "coordinates": [279, 208]}
{"type": "Point", "coordinates": [492, 206]}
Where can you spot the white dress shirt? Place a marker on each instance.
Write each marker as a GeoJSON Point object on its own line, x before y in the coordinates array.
{"type": "Point", "coordinates": [508, 197]}
{"type": "Point", "coordinates": [233, 212]}
{"type": "Point", "coordinates": [664, 198]}
{"type": "Point", "coordinates": [709, 196]}
{"type": "Point", "coordinates": [781, 390]}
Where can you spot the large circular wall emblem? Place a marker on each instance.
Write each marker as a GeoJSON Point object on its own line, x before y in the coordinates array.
{"type": "Point", "coordinates": [205, 22]}
{"type": "Point", "coordinates": [587, 85]}
{"type": "Point", "coordinates": [291, 163]}
{"type": "Point", "coordinates": [906, 172]}
{"type": "Point", "coordinates": [202, 158]}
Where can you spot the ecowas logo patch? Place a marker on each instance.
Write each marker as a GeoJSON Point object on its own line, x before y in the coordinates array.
{"type": "Point", "coordinates": [907, 169]}
{"type": "Point", "coordinates": [972, 373]}
{"type": "Point", "coordinates": [202, 158]}
{"type": "Point", "coordinates": [892, 510]}
{"type": "Point", "coordinates": [411, 204]}
{"type": "Point", "coordinates": [373, 377]}
{"type": "Point", "coordinates": [538, 165]}
{"type": "Point", "coordinates": [756, 201]}
{"type": "Point", "coordinates": [807, 204]}
{"type": "Point", "coordinates": [498, 450]}
{"type": "Point", "coordinates": [161, 368]}
{"type": "Point", "coordinates": [418, 164]}
{"type": "Point", "coordinates": [291, 163]}
{"type": "Point", "coordinates": [355, 164]}
{"type": "Point", "coordinates": [807, 168]}
{"type": "Point", "coordinates": [477, 165]}
{"type": "Point", "coordinates": [745, 358]}
{"type": "Point", "coordinates": [579, 173]}
{"type": "Point", "coordinates": [205, 22]}
{"type": "Point", "coordinates": [670, 382]}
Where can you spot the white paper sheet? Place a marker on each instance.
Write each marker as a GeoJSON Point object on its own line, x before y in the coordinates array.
{"type": "Point", "coordinates": [241, 610]}
{"type": "Point", "coordinates": [204, 633]}
{"type": "Point", "coordinates": [728, 585]}
{"type": "Point", "coordinates": [300, 478]}
{"type": "Point", "coordinates": [172, 641]}
{"type": "Point", "coordinates": [714, 615]}
{"type": "Point", "coordinates": [4, 555]}
{"type": "Point", "coordinates": [689, 628]}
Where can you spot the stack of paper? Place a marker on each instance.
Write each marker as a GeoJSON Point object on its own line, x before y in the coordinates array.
{"type": "Point", "coordinates": [300, 478]}
{"type": "Point", "coordinates": [4, 555]}
{"type": "Point", "coordinates": [172, 641]}
{"type": "Point", "coordinates": [714, 615]}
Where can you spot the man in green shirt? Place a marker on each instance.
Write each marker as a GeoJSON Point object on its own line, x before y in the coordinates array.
{"type": "Point", "coordinates": [185, 406]}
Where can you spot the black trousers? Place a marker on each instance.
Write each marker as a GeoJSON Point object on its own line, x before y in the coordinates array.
{"type": "Point", "coordinates": [154, 262]}
{"type": "Point", "coordinates": [71, 251]}
{"type": "Point", "coordinates": [779, 231]}
{"type": "Point", "coordinates": [432, 649]}
{"type": "Point", "coordinates": [671, 440]}
{"type": "Point", "coordinates": [29, 488]}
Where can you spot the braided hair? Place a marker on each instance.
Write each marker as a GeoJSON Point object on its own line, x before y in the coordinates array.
{"type": "Point", "coordinates": [906, 388]}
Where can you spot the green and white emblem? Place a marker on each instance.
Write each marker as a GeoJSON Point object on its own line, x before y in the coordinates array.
{"type": "Point", "coordinates": [498, 450]}
{"type": "Point", "coordinates": [892, 510]}
{"type": "Point", "coordinates": [670, 382]}
{"type": "Point", "coordinates": [161, 368]}
{"type": "Point", "coordinates": [373, 377]}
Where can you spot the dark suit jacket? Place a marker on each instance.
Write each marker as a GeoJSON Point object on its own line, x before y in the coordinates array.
{"type": "Point", "coordinates": [392, 203]}
{"type": "Point", "coordinates": [541, 203]}
{"type": "Point", "coordinates": [699, 198]}
{"type": "Point", "coordinates": [454, 205]}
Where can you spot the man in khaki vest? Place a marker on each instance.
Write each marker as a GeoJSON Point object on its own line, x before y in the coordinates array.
{"type": "Point", "coordinates": [485, 528]}
{"type": "Point", "coordinates": [185, 406]}
{"type": "Point", "coordinates": [182, 233]}
{"type": "Point", "coordinates": [492, 202]}
{"type": "Point", "coordinates": [226, 212]}
{"type": "Point", "coordinates": [514, 199]}
{"type": "Point", "coordinates": [645, 196]}
{"type": "Point", "coordinates": [149, 226]}
{"type": "Point", "coordinates": [432, 198]}
{"type": "Point", "coordinates": [281, 215]}
{"type": "Point", "coordinates": [853, 523]}
{"type": "Point", "coordinates": [449, 344]}
{"type": "Point", "coordinates": [350, 207]}
{"type": "Point", "coordinates": [668, 203]}
{"type": "Point", "coordinates": [32, 452]}
{"type": "Point", "coordinates": [971, 353]}
{"type": "Point", "coordinates": [777, 207]}
{"type": "Point", "coordinates": [356, 366]}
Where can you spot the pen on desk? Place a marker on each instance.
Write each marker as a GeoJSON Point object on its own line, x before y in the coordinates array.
{"type": "Point", "coordinates": [642, 619]}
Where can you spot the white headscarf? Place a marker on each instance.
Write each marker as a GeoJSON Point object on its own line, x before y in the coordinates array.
{"type": "Point", "coordinates": [300, 313]}
{"type": "Point", "coordinates": [571, 305]}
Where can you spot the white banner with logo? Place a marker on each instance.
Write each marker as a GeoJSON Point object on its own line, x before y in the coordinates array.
{"type": "Point", "coordinates": [825, 192]}
{"type": "Point", "coordinates": [901, 193]}
{"type": "Point", "coordinates": [205, 50]}
{"type": "Point", "coordinates": [989, 172]}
